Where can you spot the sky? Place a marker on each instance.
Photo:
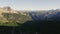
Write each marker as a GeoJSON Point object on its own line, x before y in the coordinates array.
{"type": "Point", "coordinates": [31, 4]}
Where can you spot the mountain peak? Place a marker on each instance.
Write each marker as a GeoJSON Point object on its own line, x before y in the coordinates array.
{"type": "Point", "coordinates": [8, 8]}
{"type": "Point", "coordinates": [58, 9]}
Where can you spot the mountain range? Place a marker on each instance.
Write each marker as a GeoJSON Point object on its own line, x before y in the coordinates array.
{"type": "Point", "coordinates": [9, 16]}
{"type": "Point", "coordinates": [45, 15]}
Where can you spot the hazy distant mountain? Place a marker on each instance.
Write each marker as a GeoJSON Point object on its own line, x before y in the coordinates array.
{"type": "Point", "coordinates": [45, 15]}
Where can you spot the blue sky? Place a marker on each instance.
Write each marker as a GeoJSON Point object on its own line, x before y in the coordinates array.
{"type": "Point", "coordinates": [31, 4]}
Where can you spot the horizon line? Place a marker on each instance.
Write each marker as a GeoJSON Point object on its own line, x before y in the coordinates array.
{"type": "Point", "coordinates": [29, 9]}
